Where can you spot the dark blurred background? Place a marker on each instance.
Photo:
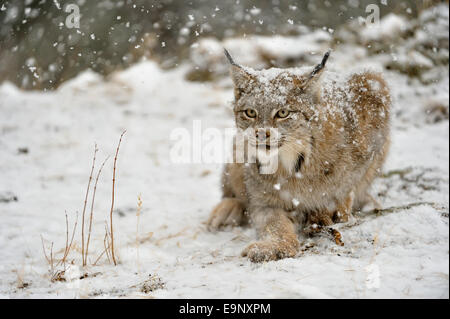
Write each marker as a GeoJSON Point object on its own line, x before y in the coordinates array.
{"type": "Point", "coordinates": [38, 51]}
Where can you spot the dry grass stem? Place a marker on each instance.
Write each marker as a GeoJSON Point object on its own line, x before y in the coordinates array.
{"type": "Point", "coordinates": [103, 252]}
{"type": "Point", "coordinates": [138, 215]}
{"type": "Point", "coordinates": [45, 252]}
{"type": "Point", "coordinates": [85, 204]}
{"type": "Point", "coordinates": [68, 244]}
{"type": "Point", "coordinates": [57, 274]}
{"type": "Point", "coordinates": [113, 256]}
{"type": "Point", "coordinates": [106, 242]}
{"type": "Point", "coordinates": [92, 208]}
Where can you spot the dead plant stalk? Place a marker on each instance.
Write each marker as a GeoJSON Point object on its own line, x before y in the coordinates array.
{"type": "Point", "coordinates": [84, 207]}
{"type": "Point", "coordinates": [92, 209]}
{"type": "Point", "coordinates": [112, 201]}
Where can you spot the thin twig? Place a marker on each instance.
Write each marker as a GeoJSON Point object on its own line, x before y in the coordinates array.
{"type": "Point", "coordinates": [106, 242]}
{"type": "Point", "coordinates": [403, 207]}
{"type": "Point", "coordinates": [112, 201]}
{"type": "Point", "coordinates": [104, 251]}
{"type": "Point", "coordinates": [138, 214]}
{"type": "Point", "coordinates": [381, 212]}
{"type": "Point", "coordinates": [67, 239]}
{"type": "Point", "coordinates": [51, 257]}
{"type": "Point", "coordinates": [84, 207]}
{"type": "Point", "coordinates": [67, 251]}
{"type": "Point", "coordinates": [43, 248]}
{"type": "Point", "coordinates": [92, 207]}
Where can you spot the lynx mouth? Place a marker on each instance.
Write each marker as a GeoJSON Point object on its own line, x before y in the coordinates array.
{"type": "Point", "coordinates": [267, 146]}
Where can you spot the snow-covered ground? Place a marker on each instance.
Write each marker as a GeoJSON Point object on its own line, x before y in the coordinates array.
{"type": "Point", "coordinates": [46, 146]}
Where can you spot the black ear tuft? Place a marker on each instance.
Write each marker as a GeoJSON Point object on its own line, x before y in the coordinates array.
{"type": "Point", "coordinates": [239, 75]}
{"type": "Point", "coordinates": [319, 67]}
{"type": "Point", "coordinates": [230, 59]}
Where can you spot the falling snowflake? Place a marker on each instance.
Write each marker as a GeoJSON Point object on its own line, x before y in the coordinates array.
{"type": "Point", "coordinates": [255, 11]}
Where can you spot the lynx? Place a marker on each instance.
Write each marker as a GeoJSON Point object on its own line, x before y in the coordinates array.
{"type": "Point", "coordinates": [333, 137]}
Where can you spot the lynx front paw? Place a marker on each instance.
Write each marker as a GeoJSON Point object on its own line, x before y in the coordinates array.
{"type": "Point", "coordinates": [269, 250]}
{"type": "Point", "coordinates": [229, 211]}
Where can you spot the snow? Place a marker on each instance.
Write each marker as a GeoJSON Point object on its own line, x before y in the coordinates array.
{"type": "Point", "coordinates": [391, 25]}
{"type": "Point", "coordinates": [254, 50]}
{"type": "Point", "coordinates": [46, 146]}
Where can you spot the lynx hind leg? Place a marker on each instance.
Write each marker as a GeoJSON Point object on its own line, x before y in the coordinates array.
{"type": "Point", "coordinates": [362, 195]}
{"type": "Point", "coordinates": [319, 218]}
{"type": "Point", "coordinates": [327, 218]}
{"type": "Point", "coordinates": [344, 209]}
{"type": "Point", "coordinates": [320, 222]}
{"type": "Point", "coordinates": [229, 211]}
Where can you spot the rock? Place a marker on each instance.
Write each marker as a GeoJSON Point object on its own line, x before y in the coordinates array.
{"type": "Point", "coordinates": [6, 197]}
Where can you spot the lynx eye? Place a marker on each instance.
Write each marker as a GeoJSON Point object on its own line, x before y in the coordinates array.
{"type": "Point", "coordinates": [251, 113]}
{"type": "Point", "coordinates": [281, 114]}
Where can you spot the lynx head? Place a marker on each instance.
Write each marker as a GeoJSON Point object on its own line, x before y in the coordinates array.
{"type": "Point", "coordinates": [278, 105]}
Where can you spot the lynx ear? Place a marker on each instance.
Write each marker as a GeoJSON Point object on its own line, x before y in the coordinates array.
{"type": "Point", "coordinates": [314, 76]}
{"type": "Point", "coordinates": [238, 74]}
{"type": "Point", "coordinates": [308, 82]}
{"type": "Point", "coordinates": [230, 59]}
{"type": "Point", "coordinates": [320, 67]}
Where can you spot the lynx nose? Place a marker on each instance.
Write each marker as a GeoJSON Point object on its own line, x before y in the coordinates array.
{"type": "Point", "coordinates": [262, 134]}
